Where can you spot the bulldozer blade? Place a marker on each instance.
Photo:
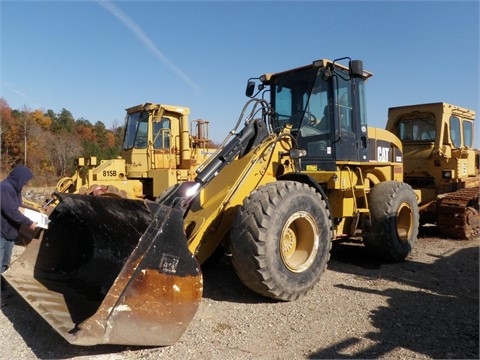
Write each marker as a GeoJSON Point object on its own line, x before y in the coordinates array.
{"type": "Point", "coordinates": [111, 271]}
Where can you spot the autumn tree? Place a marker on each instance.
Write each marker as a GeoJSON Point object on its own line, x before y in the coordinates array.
{"type": "Point", "coordinates": [49, 143]}
{"type": "Point", "coordinates": [64, 150]}
{"type": "Point", "coordinates": [7, 137]}
{"type": "Point", "coordinates": [42, 120]}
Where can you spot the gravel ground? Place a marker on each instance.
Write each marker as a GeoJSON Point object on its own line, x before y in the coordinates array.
{"type": "Point", "coordinates": [426, 307]}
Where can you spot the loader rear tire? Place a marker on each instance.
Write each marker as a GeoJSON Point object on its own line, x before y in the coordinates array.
{"type": "Point", "coordinates": [281, 240]}
{"type": "Point", "coordinates": [394, 219]}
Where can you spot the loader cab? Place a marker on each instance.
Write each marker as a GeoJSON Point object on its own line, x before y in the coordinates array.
{"type": "Point", "coordinates": [324, 104]}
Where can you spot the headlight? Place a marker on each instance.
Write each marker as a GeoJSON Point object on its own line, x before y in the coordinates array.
{"type": "Point", "coordinates": [447, 174]}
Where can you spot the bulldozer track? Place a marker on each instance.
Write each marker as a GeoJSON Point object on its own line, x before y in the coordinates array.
{"type": "Point", "coordinates": [458, 214]}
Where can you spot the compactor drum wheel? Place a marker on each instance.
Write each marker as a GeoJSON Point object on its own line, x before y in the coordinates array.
{"type": "Point", "coordinates": [281, 240]}
{"type": "Point", "coordinates": [394, 220]}
{"type": "Point", "coordinates": [64, 184]}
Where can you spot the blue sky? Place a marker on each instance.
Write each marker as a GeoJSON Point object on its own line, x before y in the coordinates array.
{"type": "Point", "coordinates": [96, 58]}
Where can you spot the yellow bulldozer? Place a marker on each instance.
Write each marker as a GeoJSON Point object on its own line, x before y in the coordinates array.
{"type": "Point", "coordinates": [300, 170]}
{"type": "Point", "coordinates": [158, 151]}
{"type": "Point", "coordinates": [440, 162]}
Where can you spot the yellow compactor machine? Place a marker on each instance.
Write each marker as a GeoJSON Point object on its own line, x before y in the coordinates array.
{"type": "Point", "coordinates": [160, 148]}
{"type": "Point", "coordinates": [301, 169]}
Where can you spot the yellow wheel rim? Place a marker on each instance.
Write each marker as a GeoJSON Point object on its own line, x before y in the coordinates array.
{"type": "Point", "coordinates": [404, 222]}
{"type": "Point", "coordinates": [299, 242]}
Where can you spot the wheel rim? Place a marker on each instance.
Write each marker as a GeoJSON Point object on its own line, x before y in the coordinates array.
{"type": "Point", "coordinates": [404, 222]}
{"type": "Point", "coordinates": [299, 242]}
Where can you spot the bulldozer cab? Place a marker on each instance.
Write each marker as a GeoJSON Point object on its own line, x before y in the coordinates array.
{"type": "Point", "coordinates": [438, 142]}
{"type": "Point", "coordinates": [324, 105]}
{"type": "Point", "coordinates": [441, 164]}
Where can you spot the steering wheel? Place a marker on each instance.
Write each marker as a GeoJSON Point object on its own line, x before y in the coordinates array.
{"type": "Point", "coordinates": [307, 115]}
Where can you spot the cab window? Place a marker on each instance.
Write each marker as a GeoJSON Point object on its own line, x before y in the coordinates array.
{"type": "Point", "coordinates": [455, 131]}
{"type": "Point", "coordinates": [345, 107]}
{"type": "Point", "coordinates": [420, 129]}
{"type": "Point", "coordinates": [161, 134]}
{"type": "Point", "coordinates": [136, 130]}
{"type": "Point", "coordinates": [468, 134]}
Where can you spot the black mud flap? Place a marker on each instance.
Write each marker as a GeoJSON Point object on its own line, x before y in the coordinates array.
{"type": "Point", "coordinates": [111, 271]}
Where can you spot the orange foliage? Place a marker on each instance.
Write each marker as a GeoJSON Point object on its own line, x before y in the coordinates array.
{"type": "Point", "coordinates": [51, 147]}
{"type": "Point", "coordinates": [41, 119]}
{"type": "Point", "coordinates": [85, 133]}
{"type": "Point", "coordinates": [110, 138]}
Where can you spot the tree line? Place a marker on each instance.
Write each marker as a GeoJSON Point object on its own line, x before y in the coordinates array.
{"type": "Point", "coordinates": [49, 142]}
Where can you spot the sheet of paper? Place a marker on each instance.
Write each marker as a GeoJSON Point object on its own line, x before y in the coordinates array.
{"type": "Point", "coordinates": [41, 219]}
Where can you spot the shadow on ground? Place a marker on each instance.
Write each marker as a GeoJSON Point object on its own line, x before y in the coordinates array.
{"type": "Point", "coordinates": [220, 284]}
{"type": "Point", "coordinates": [436, 315]}
{"type": "Point", "coordinates": [41, 338]}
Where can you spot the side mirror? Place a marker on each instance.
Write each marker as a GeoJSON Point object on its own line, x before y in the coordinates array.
{"type": "Point", "coordinates": [356, 68]}
{"type": "Point", "coordinates": [250, 88]}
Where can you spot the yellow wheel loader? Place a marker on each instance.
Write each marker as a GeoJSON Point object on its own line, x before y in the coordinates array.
{"type": "Point", "coordinates": [158, 151]}
{"type": "Point", "coordinates": [299, 170]}
{"type": "Point", "coordinates": [441, 163]}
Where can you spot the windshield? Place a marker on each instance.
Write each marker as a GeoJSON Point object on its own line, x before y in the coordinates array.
{"type": "Point", "coordinates": [418, 129]}
{"type": "Point", "coordinates": [136, 130]}
{"type": "Point", "coordinates": [301, 99]}
{"type": "Point", "coordinates": [291, 98]}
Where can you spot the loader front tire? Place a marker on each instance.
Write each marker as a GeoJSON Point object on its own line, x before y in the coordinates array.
{"type": "Point", "coordinates": [281, 240]}
{"type": "Point", "coordinates": [394, 217]}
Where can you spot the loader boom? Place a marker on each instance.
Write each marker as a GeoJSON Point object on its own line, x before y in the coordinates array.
{"type": "Point", "coordinates": [252, 134]}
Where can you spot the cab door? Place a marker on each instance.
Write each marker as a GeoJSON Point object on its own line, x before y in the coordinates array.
{"type": "Point", "coordinates": [350, 121]}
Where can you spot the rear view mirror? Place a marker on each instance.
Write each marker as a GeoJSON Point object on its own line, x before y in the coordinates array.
{"type": "Point", "coordinates": [356, 68]}
{"type": "Point", "coordinates": [250, 88]}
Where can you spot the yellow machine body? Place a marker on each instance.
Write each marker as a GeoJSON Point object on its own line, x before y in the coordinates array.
{"type": "Point", "coordinates": [305, 170]}
{"type": "Point", "coordinates": [441, 164]}
{"type": "Point", "coordinates": [160, 148]}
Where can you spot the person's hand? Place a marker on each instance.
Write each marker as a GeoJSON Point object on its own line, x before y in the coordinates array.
{"type": "Point", "coordinates": [33, 226]}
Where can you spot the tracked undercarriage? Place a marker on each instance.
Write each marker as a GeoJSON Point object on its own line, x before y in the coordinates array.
{"type": "Point", "coordinates": [458, 214]}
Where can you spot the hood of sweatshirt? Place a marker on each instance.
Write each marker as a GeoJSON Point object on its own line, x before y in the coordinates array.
{"type": "Point", "coordinates": [19, 176]}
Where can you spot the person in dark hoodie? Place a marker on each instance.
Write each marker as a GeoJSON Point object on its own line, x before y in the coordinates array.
{"type": "Point", "coordinates": [11, 219]}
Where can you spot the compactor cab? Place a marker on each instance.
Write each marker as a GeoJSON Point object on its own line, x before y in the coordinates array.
{"type": "Point", "coordinates": [300, 169]}
{"type": "Point", "coordinates": [159, 150]}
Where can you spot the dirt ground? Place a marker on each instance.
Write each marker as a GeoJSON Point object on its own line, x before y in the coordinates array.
{"type": "Point", "coordinates": [426, 307]}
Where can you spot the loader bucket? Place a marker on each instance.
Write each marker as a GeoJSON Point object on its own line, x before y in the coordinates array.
{"type": "Point", "coordinates": [111, 271]}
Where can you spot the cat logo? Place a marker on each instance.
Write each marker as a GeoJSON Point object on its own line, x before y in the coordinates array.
{"type": "Point", "coordinates": [382, 154]}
